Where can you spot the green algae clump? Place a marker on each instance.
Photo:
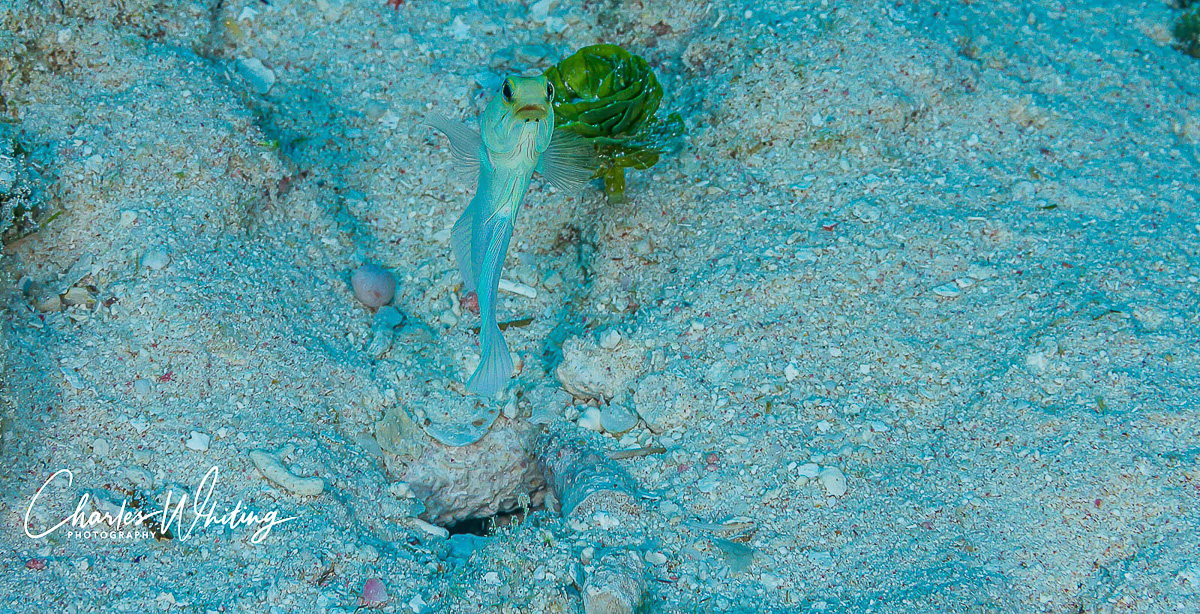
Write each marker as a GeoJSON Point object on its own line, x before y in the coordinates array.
{"type": "Point", "coordinates": [609, 96]}
{"type": "Point", "coordinates": [1187, 33]}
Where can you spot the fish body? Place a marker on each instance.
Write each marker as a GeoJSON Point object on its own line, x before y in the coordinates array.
{"type": "Point", "coordinates": [515, 138]}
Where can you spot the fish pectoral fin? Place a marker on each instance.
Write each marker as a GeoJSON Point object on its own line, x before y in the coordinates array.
{"type": "Point", "coordinates": [465, 144]}
{"type": "Point", "coordinates": [568, 162]}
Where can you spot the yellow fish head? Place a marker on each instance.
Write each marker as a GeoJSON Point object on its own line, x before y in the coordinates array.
{"type": "Point", "coordinates": [520, 101]}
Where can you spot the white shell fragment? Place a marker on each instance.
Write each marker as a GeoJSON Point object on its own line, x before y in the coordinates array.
{"type": "Point", "coordinates": [517, 288]}
{"type": "Point", "coordinates": [610, 339]}
{"type": "Point", "coordinates": [665, 400]}
{"type": "Point", "coordinates": [156, 258]}
{"type": "Point", "coordinates": [254, 71]}
{"type": "Point", "coordinates": [590, 420]}
{"type": "Point", "coordinates": [197, 441]}
{"type": "Point", "coordinates": [833, 480]}
{"type": "Point", "coordinates": [947, 290]}
{"type": "Point", "coordinates": [808, 470]}
{"type": "Point", "coordinates": [429, 528]}
{"type": "Point", "coordinates": [382, 327]}
{"type": "Point", "coordinates": [273, 470]}
{"type": "Point", "coordinates": [866, 212]}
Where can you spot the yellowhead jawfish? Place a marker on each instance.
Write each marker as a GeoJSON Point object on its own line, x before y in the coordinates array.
{"type": "Point", "coordinates": [516, 137]}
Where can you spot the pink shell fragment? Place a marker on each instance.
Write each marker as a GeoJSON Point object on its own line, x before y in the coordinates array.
{"type": "Point", "coordinates": [374, 594]}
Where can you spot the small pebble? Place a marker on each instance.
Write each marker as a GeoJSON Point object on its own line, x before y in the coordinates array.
{"type": "Point", "coordinates": [866, 212]}
{"type": "Point", "coordinates": [771, 581]}
{"type": "Point", "coordinates": [139, 424]}
{"type": "Point", "coordinates": [616, 419]}
{"type": "Point", "coordinates": [139, 477]}
{"type": "Point", "coordinates": [708, 485]}
{"type": "Point", "coordinates": [656, 558]}
{"type": "Point", "coordinates": [373, 285]}
{"type": "Point", "coordinates": [833, 480]}
{"type": "Point", "coordinates": [610, 339]}
{"type": "Point", "coordinates": [790, 373]}
{"type": "Point", "coordinates": [100, 447]}
{"type": "Point", "coordinates": [76, 296]}
{"type": "Point", "coordinates": [401, 490]}
{"type": "Point", "coordinates": [821, 558]}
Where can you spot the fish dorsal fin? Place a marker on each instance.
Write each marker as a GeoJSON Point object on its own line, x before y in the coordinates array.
{"type": "Point", "coordinates": [465, 144]}
{"type": "Point", "coordinates": [568, 162]}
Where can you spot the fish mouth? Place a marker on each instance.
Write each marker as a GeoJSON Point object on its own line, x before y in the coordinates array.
{"type": "Point", "coordinates": [531, 112]}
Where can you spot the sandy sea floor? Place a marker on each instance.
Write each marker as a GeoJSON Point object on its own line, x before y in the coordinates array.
{"type": "Point", "coordinates": [949, 252]}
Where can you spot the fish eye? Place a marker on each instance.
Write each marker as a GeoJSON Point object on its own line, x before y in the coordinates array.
{"type": "Point", "coordinates": [507, 92]}
{"type": "Point", "coordinates": [549, 91]}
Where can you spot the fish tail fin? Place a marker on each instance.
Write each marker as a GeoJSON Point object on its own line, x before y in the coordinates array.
{"type": "Point", "coordinates": [495, 364]}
